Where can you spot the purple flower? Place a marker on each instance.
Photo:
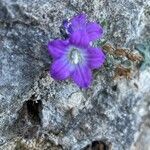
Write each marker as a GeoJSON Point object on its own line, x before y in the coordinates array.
{"type": "Point", "coordinates": [90, 30]}
{"type": "Point", "coordinates": [74, 57]}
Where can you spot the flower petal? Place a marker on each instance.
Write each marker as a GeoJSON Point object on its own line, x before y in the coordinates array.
{"type": "Point", "coordinates": [61, 69]}
{"type": "Point", "coordinates": [78, 22]}
{"type": "Point", "coordinates": [94, 30]}
{"type": "Point", "coordinates": [79, 38]}
{"type": "Point", "coordinates": [95, 58]}
{"type": "Point", "coordinates": [82, 76]}
{"type": "Point", "coordinates": [57, 48]}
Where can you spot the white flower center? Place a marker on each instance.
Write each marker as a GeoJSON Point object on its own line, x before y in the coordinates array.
{"type": "Point", "coordinates": [75, 56]}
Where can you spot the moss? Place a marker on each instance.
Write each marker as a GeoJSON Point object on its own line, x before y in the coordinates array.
{"type": "Point", "coordinates": [20, 146]}
{"type": "Point", "coordinates": [144, 49]}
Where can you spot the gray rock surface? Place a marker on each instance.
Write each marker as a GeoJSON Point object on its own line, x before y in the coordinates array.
{"type": "Point", "coordinates": [39, 113]}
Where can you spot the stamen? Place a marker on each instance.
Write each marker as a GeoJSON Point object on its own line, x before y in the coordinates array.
{"type": "Point", "coordinates": [75, 56]}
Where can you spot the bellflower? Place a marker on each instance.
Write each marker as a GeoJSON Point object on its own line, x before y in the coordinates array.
{"type": "Point", "coordinates": [89, 30]}
{"type": "Point", "coordinates": [75, 57]}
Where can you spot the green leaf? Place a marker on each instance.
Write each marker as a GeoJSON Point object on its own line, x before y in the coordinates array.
{"type": "Point", "coordinates": [103, 42]}
{"type": "Point", "coordinates": [104, 23]}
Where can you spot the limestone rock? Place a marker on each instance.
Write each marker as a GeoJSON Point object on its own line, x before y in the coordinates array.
{"type": "Point", "coordinates": [37, 112]}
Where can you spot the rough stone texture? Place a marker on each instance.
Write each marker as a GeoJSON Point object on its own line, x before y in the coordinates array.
{"type": "Point", "coordinates": [37, 112]}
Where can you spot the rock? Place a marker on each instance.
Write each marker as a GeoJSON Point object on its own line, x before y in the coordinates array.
{"type": "Point", "coordinates": [37, 112]}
